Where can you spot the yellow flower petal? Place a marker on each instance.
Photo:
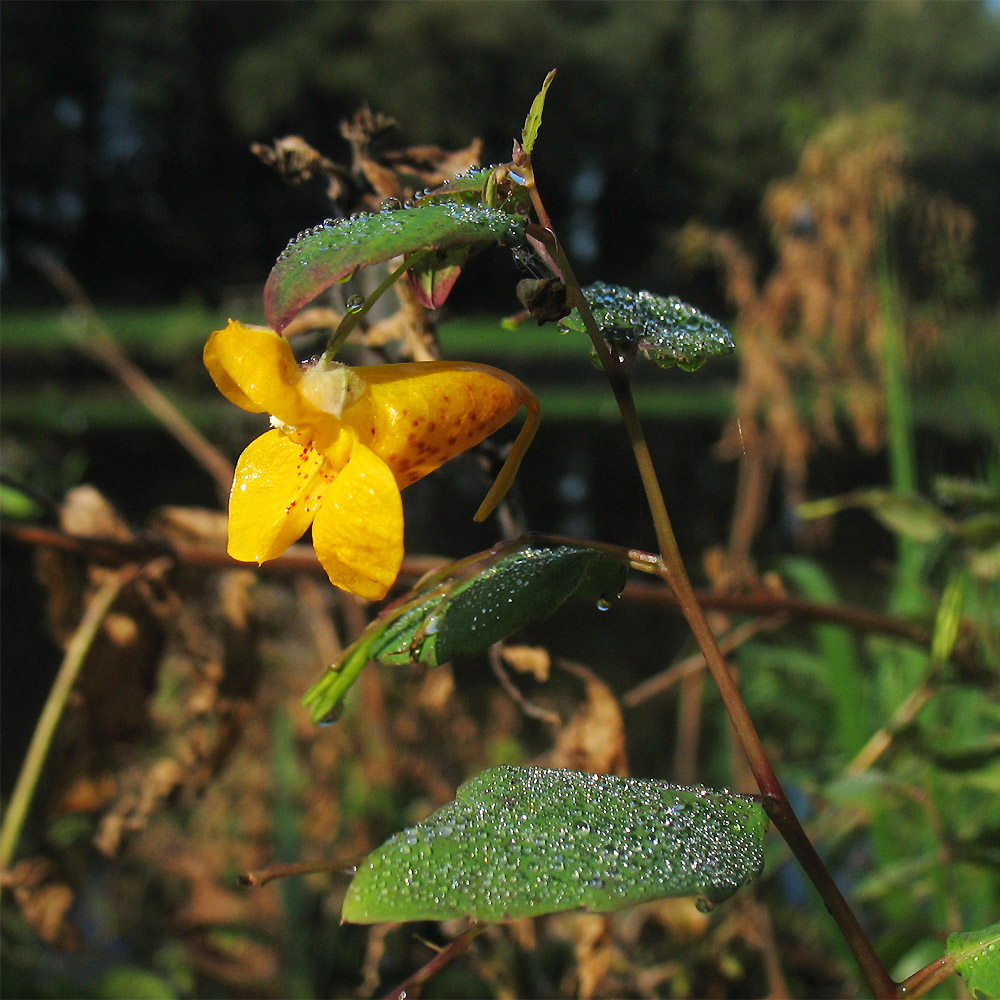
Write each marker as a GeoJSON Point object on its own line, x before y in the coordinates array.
{"type": "Point", "coordinates": [254, 368]}
{"type": "Point", "coordinates": [358, 531]}
{"type": "Point", "coordinates": [278, 487]}
{"type": "Point", "coordinates": [428, 412]}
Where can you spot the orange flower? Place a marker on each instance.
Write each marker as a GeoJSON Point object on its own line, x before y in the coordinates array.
{"type": "Point", "coordinates": [344, 442]}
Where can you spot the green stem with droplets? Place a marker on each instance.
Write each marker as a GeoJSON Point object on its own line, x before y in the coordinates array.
{"type": "Point", "coordinates": [350, 320]}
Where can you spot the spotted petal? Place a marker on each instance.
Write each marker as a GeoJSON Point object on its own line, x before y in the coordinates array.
{"type": "Point", "coordinates": [428, 412]}
{"type": "Point", "coordinates": [277, 490]}
{"type": "Point", "coordinates": [358, 531]}
{"type": "Point", "coordinates": [254, 368]}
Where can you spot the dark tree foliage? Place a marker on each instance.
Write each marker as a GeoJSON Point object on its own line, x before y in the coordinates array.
{"type": "Point", "coordinates": [127, 126]}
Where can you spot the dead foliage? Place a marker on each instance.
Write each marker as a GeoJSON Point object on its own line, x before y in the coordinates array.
{"type": "Point", "coordinates": [811, 333]}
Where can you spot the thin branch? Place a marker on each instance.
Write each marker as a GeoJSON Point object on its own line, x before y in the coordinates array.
{"type": "Point", "coordinates": [41, 740]}
{"type": "Point", "coordinates": [302, 559]}
{"type": "Point", "coordinates": [730, 642]}
{"type": "Point", "coordinates": [258, 877]}
{"type": "Point", "coordinates": [528, 707]}
{"type": "Point", "coordinates": [925, 979]}
{"type": "Point", "coordinates": [414, 985]}
{"type": "Point", "coordinates": [101, 346]}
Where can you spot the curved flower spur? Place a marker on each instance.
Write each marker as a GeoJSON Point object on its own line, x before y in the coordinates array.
{"type": "Point", "coordinates": [344, 442]}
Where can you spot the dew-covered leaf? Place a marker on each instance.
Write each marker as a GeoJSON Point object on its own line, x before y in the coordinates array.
{"type": "Point", "coordinates": [525, 841]}
{"type": "Point", "coordinates": [977, 960]}
{"type": "Point", "coordinates": [465, 607]}
{"type": "Point", "coordinates": [330, 252]}
{"type": "Point", "coordinates": [662, 328]}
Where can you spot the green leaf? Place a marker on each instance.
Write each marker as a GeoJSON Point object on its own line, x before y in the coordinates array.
{"type": "Point", "coordinates": [912, 516]}
{"type": "Point", "coordinates": [534, 119]}
{"type": "Point", "coordinates": [330, 252]}
{"type": "Point", "coordinates": [664, 329]}
{"type": "Point", "coordinates": [525, 841]}
{"type": "Point", "coordinates": [467, 606]}
{"type": "Point", "coordinates": [977, 959]}
{"type": "Point", "coordinates": [132, 982]}
{"type": "Point", "coordinates": [967, 493]}
{"type": "Point", "coordinates": [18, 505]}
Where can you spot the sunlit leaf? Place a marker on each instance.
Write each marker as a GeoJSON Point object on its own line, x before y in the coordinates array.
{"type": "Point", "coordinates": [524, 841]}
{"type": "Point", "coordinates": [328, 253]}
{"type": "Point", "coordinates": [662, 328]}
{"type": "Point", "coordinates": [534, 119]}
{"type": "Point", "coordinates": [467, 606]}
{"type": "Point", "coordinates": [18, 505]}
{"type": "Point", "coordinates": [977, 960]}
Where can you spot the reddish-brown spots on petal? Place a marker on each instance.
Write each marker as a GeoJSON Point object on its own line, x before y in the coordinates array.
{"type": "Point", "coordinates": [432, 425]}
{"type": "Point", "coordinates": [452, 438]}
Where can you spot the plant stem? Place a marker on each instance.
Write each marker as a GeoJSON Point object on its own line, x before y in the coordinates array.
{"type": "Point", "coordinates": [350, 320]}
{"type": "Point", "coordinates": [76, 654]}
{"type": "Point", "coordinates": [414, 985]}
{"type": "Point", "coordinates": [899, 419]}
{"type": "Point", "coordinates": [775, 801]}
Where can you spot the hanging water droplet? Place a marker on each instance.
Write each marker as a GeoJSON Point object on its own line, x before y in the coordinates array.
{"type": "Point", "coordinates": [355, 304]}
{"type": "Point", "coordinates": [704, 905]}
{"type": "Point", "coordinates": [603, 604]}
{"type": "Point", "coordinates": [333, 715]}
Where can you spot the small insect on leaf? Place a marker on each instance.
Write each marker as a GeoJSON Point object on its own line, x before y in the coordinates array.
{"type": "Point", "coordinates": [524, 841]}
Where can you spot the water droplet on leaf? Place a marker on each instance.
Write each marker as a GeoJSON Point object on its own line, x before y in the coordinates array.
{"type": "Point", "coordinates": [332, 716]}
{"type": "Point", "coordinates": [355, 304]}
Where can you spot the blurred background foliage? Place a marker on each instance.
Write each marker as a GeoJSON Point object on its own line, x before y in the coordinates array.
{"type": "Point", "coordinates": [126, 127]}
{"type": "Point", "coordinates": [822, 176]}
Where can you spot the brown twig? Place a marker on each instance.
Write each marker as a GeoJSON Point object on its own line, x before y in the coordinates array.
{"type": "Point", "coordinates": [695, 663]}
{"type": "Point", "coordinates": [528, 707]}
{"type": "Point", "coordinates": [413, 986]}
{"type": "Point", "coordinates": [258, 877]}
{"type": "Point", "coordinates": [101, 346]}
{"type": "Point", "coordinates": [302, 559]}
